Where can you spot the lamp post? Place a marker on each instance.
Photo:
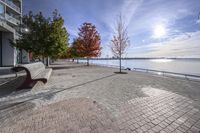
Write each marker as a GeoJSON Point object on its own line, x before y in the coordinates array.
{"type": "Point", "coordinates": [26, 30]}
{"type": "Point", "coordinates": [22, 29]}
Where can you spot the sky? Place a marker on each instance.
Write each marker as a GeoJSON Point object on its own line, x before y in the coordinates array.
{"type": "Point", "coordinates": [156, 28]}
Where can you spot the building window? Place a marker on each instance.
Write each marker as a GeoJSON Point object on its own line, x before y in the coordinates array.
{"type": "Point", "coordinates": [2, 10]}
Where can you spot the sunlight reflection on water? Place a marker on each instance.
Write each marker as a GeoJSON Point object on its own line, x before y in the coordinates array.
{"type": "Point", "coordinates": [186, 66]}
{"type": "Point", "coordinates": [161, 60]}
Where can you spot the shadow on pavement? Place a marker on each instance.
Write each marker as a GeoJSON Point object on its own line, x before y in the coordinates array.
{"type": "Point", "coordinates": [14, 109]}
{"type": "Point", "coordinates": [48, 95]}
{"type": "Point", "coordinates": [120, 72]}
{"type": "Point", "coordinates": [67, 67]}
{"type": "Point", "coordinates": [10, 86]}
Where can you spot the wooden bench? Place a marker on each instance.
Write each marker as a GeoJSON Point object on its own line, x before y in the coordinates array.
{"type": "Point", "coordinates": [34, 72]}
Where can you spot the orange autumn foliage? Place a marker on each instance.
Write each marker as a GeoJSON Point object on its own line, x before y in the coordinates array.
{"type": "Point", "coordinates": [88, 42]}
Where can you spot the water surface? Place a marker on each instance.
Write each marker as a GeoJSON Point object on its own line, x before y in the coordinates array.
{"type": "Point", "coordinates": [186, 66]}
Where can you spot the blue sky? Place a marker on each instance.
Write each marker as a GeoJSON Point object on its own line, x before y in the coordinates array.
{"type": "Point", "coordinates": [156, 28]}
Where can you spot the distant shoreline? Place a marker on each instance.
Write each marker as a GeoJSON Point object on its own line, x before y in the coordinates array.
{"type": "Point", "coordinates": [139, 58]}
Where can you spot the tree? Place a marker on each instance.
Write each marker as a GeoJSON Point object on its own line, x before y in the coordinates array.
{"type": "Point", "coordinates": [45, 38]}
{"type": "Point", "coordinates": [58, 37]}
{"type": "Point", "coordinates": [120, 40]}
{"type": "Point", "coordinates": [88, 42]}
{"type": "Point", "coordinates": [73, 50]}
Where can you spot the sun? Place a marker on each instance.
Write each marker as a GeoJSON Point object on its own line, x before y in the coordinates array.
{"type": "Point", "coordinates": [159, 31]}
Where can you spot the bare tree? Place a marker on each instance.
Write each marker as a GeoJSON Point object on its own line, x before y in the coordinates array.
{"type": "Point", "coordinates": [198, 19]}
{"type": "Point", "coordinates": [120, 40]}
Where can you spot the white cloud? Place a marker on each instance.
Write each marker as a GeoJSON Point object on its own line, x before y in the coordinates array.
{"type": "Point", "coordinates": [185, 45]}
{"type": "Point", "coordinates": [72, 31]}
{"type": "Point", "coordinates": [155, 12]}
{"type": "Point", "coordinates": [129, 8]}
{"type": "Point", "coordinates": [198, 21]}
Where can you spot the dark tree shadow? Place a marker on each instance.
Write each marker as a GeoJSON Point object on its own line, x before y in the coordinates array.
{"type": "Point", "coordinates": [68, 67]}
{"type": "Point", "coordinates": [120, 72]}
{"type": "Point", "coordinates": [47, 95]}
{"type": "Point", "coordinates": [8, 111]}
{"type": "Point", "coordinates": [11, 86]}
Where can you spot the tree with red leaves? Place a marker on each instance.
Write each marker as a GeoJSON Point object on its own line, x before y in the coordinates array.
{"type": "Point", "coordinates": [88, 42]}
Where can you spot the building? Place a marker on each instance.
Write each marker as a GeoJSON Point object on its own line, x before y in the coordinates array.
{"type": "Point", "coordinates": [10, 20]}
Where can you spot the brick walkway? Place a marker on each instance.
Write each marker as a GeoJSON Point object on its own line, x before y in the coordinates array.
{"type": "Point", "coordinates": [74, 115]}
{"type": "Point", "coordinates": [163, 113]}
{"type": "Point", "coordinates": [94, 100]}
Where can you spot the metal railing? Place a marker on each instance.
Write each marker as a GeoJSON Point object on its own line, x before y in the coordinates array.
{"type": "Point", "coordinates": [166, 73]}
{"type": "Point", "coordinates": [12, 5]}
{"type": "Point", "coordinates": [12, 19]}
{"type": "Point", "coordinates": [163, 73]}
{"type": "Point", "coordinates": [2, 18]}
{"type": "Point", "coordinates": [17, 34]}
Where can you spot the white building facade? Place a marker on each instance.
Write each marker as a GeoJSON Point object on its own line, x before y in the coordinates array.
{"type": "Point", "coordinates": [10, 20]}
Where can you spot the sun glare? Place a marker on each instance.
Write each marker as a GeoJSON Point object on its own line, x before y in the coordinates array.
{"type": "Point", "coordinates": [161, 60]}
{"type": "Point", "coordinates": [159, 31]}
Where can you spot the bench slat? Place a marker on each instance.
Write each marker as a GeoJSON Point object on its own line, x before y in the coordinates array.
{"type": "Point", "coordinates": [34, 68]}
{"type": "Point", "coordinates": [45, 75]}
{"type": "Point", "coordinates": [35, 72]}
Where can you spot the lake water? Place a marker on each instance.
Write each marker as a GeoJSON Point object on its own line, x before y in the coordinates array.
{"type": "Point", "coordinates": [186, 66]}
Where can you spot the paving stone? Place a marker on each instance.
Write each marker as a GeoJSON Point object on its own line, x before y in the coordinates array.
{"type": "Point", "coordinates": [67, 114]}
{"type": "Point", "coordinates": [178, 131]}
{"type": "Point", "coordinates": [156, 121]}
{"type": "Point", "coordinates": [139, 130]}
{"type": "Point", "coordinates": [94, 99]}
{"type": "Point", "coordinates": [194, 129]}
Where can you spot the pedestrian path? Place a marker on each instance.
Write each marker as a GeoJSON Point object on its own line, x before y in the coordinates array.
{"type": "Point", "coordinates": [95, 99]}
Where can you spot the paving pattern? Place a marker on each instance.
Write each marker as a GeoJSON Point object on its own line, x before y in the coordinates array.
{"type": "Point", "coordinates": [83, 99]}
{"type": "Point", "coordinates": [74, 115]}
{"type": "Point", "coordinates": [166, 113]}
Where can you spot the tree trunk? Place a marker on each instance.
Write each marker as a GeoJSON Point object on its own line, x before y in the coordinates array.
{"type": "Point", "coordinates": [77, 61]}
{"type": "Point", "coordinates": [21, 57]}
{"type": "Point", "coordinates": [47, 61]}
{"type": "Point", "coordinates": [120, 64]}
{"type": "Point", "coordinates": [120, 58]}
{"type": "Point", "coordinates": [88, 61]}
{"type": "Point", "coordinates": [43, 59]}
